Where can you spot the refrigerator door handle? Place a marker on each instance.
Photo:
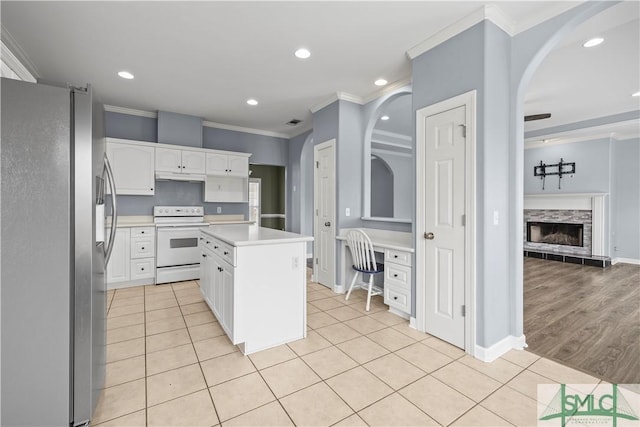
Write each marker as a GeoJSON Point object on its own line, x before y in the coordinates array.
{"type": "Point", "coordinates": [114, 210]}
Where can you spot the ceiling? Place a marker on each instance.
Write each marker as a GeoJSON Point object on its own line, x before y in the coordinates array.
{"type": "Point", "coordinates": [207, 58]}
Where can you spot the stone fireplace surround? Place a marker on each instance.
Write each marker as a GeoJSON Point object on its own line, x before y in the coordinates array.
{"type": "Point", "coordinates": [586, 208]}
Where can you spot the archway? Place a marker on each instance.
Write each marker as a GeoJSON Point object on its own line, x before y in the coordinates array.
{"type": "Point", "coordinates": [531, 48]}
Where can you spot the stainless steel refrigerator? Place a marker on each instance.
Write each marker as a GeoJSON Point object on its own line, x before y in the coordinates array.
{"type": "Point", "coordinates": [53, 255]}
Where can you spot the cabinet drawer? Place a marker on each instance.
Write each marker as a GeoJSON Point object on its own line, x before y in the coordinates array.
{"type": "Point", "coordinates": [143, 232]}
{"type": "Point", "coordinates": [397, 298]}
{"type": "Point", "coordinates": [399, 257]}
{"type": "Point", "coordinates": [227, 253]}
{"type": "Point", "coordinates": [142, 247]}
{"type": "Point", "coordinates": [142, 268]}
{"type": "Point", "coordinates": [397, 275]}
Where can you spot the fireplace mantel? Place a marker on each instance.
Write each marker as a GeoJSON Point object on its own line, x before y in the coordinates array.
{"type": "Point", "coordinates": [594, 202]}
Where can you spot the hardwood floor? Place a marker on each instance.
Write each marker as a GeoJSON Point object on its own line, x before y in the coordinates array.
{"type": "Point", "coordinates": [585, 317]}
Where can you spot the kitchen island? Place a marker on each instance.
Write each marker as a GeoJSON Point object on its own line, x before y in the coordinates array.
{"type": "Point", "coordinates": [254, 281]}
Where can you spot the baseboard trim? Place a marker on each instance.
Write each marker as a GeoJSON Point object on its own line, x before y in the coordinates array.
{"type": "Point", "coordinates": [412, 323]}
{"type": "Point", "coordinates": [489, 354]}
{"type": "Point", "coordinates": [399, 313]}
{"type": "Point", "coordinates": [339, 289]}
{"type": "Point", "coordinates": [625, 261]}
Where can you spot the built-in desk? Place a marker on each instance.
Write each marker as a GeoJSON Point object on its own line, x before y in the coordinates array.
{"type": "Point", "coordinates": [397, 249]}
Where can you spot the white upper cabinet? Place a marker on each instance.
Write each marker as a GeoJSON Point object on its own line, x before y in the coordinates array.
{"type": "Point", "coordinates": [133, 168]}
{"type": "Point", "coordinates": [180, 161]}
{"type": "Point", "coordinates": [227, 164]}
{"type": "Point", "coordinates": [238, 165]}
{"type": "Point", "coordinates": [193, 162]}
{"type": "Point", "coordinates": [168, 160]}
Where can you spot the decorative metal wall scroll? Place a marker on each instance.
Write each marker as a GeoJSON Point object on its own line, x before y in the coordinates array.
{"type": "Point", "coordinates": [561, 168]}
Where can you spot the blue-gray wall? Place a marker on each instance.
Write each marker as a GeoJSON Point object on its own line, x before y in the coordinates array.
{"type": "Point", "coordinates": [603, 165]}
{"type": "Point", "coordinates": [625, 199]}
{"type": "Point", "coordinates": [265, 150]}
{"type": "Point", "coordinates": [479, 59]}
{"type": "Point", "coordinates": [592, 168]}
{"type": "Point", "coordinates": [295, 188]}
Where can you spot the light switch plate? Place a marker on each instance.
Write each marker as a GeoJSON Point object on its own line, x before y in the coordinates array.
{"type": "Point", "coordinates": [219, 209]}
{"type": "Point", "coordinates": [347, 211]}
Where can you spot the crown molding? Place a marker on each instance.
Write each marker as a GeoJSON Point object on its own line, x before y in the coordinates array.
{"type": "Point", "coordinates": [390, 88]}
{"type": "Point", "coordinates": [552, 9]}
{"type": "Point", "coordinates": [490, 12]}
{"type": "Point", "coordinates": [338, 96]}
{"type": "Point", "coordinates": [618, 131]}
{"type": "Point", "coordinates": [131, 111]}
{"type": "Point", "coordinates": [16, 58]}
{"type": "Point", "coordinates": [244, 130]}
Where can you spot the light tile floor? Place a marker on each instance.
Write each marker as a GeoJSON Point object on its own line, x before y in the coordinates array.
{"type": "Point", "coordinates": [171, 364]}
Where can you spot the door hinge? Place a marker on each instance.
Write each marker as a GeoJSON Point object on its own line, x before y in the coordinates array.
{"type": "Point", "coordinates": [317, 164]}
{"type": "Point", "coordinates": [464, 310]}
{"type": "Point", "coordinates": [464, 220]}
{"type": "Point", "coordinates": [464, 130]}
{"type": "Point", "coordinates": [316, 261]}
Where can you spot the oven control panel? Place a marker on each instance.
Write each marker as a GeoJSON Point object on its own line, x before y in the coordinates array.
{"type": "Point", "coordinates": [178, 211]}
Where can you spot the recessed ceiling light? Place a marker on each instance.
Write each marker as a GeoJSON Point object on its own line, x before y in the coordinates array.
{"type": "Point", "coordinates": [593, 42]}
{"type": "Point", "coordinates": [384, 118]}
{"type": "Point", "coordinates": [252, 102]}
{"type": "Point", "coordinates": [380, 82]}
{"type": "Point", "coordinates": [125, 75]}
{"type": "Point", "coordinates": [636, 94]}
{"type": "Point", "coordinates": [302, 53]}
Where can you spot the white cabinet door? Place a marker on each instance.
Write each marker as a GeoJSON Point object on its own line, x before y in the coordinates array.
{"type": "Point", "coordinates": [238, 165]}
{"type": "Point", "coordinates": [216, 164]}
{"type": "Point", "coordinates": [168, 160]}
{"type": "Point", "coordinates": [216, 287]}
{"type": "Point", "coordinates": [133, 168]}
{"type": "Point", "coordinates": [205, 276]}
{"type": "Point", "coordinates": [118, 269]}
{"type": "Point", "coordinates": [193, 162]}
{"type": "Point", "coordinates": [227, 299]}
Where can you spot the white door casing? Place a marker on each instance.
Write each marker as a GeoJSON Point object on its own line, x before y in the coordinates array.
{"type": "Point", "coordinates": [324, 196]}
{"type": "Point", "coordinates": [445, 256]}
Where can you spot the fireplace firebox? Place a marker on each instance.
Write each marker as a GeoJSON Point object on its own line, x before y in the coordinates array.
{"type": "Point", "coordinates": [555, 233]}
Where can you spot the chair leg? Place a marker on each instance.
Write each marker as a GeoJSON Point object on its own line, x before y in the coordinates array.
{"type": "Point", "coordinates": [355, 276]}
{"type": "Point", "coordinates": [369, 293]}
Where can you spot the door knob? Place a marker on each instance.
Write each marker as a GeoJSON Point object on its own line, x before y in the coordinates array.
{"type": "Point", "coordinates": [429, 236]}
{"type": "Point", "coordinates": [327, 224]}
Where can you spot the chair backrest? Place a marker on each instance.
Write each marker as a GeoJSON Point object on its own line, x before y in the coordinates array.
{"type": "Point", "coordinates": [361, 250]}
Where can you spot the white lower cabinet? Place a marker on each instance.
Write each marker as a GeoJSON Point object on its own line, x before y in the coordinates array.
{"type": "Point", "coordinates": [216, 283]}
{"type": "Point", "coordinates": [119, 267]}
{"type": "Point", "coordinates": [257, 292]}
{"type": "Point", "coordinates": [397, 280]}
{"type": "Point", "coordinates": [133, 261]}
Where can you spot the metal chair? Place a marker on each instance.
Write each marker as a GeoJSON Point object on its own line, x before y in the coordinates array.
{"type": "Point", "coordinates": [364, 261]}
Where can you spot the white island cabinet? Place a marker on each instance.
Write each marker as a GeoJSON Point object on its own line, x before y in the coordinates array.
{"type": "Point", "coordinates": [254, 281]}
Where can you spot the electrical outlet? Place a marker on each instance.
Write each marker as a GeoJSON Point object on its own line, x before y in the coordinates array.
{"type": "Point", "coordinates": [347, 211]}
{"type": "Point", "coordinates": [496, 218]}
{"type": "Point", "coordinates": [219, 209]}
{"type": "Point", "coordinates": [295, 262]}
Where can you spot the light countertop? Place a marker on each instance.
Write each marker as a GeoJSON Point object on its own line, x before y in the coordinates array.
{"type": "Point", "coordinates": [384, 239]}
{"type": "Point", "coordinates": [147, 220]}
{"type": "Point", "coordinates": [251, 235]}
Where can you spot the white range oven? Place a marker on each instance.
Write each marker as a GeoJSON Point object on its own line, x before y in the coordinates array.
{"type": "Point", "coordinates": [177, 232]}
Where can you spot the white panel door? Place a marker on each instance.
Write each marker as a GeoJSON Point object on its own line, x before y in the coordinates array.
{"type": "Point", "coordinates": [133, 168]}
{"type": "Point", "coordinates": [444, 237]}
{"type": "Point", "coordinates": [324, 197]}
{"type": "Point", "coordinates": [193, 162]}
{"type": "Point", "coordinates": [238, 165]}
{"type": "Point", "coordinates": [119, 267]}
{"type": "Point", "coordinates": [168, 160]}
{"type": "Point", "coordinates": [217, 164]}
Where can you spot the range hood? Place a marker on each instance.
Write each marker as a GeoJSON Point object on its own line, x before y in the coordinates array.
{"type": "Point", "coordinates": [188, 177]}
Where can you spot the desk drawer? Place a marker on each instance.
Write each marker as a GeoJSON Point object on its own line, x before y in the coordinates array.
{"type": "Point", "coordinates": [400, 257]}
{"type": "Point", "coordinates": [143, 232]}
{"type": "Point", "coordinates": [142, 268]}
{"type": "Point", "coordinates": [397, 275]}
{"type": "Point", "coordinates": [397, 298]}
